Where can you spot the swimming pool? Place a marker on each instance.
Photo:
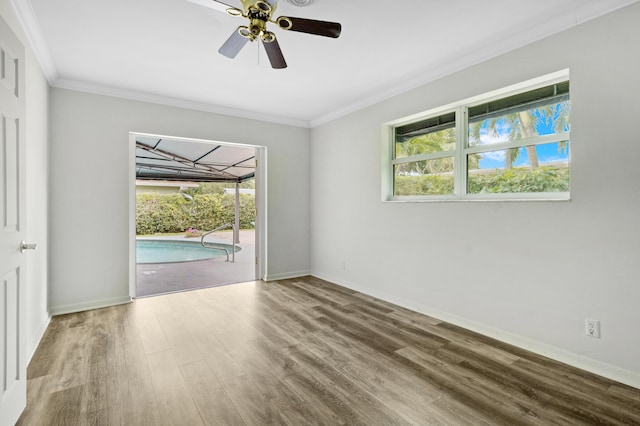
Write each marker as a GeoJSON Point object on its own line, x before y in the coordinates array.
{"type": "Point", "coordinates": [170, 251]}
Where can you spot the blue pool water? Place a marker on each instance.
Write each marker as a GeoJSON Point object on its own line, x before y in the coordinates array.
{"type": "Point", "coordinates": [164, 251]}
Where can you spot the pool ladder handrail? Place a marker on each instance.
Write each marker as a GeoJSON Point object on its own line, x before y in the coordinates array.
{"type": "Point", "coordinates": [226, 225]}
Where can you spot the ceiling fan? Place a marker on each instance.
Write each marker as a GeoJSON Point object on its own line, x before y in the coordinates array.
{"type": "Point", "coordinates": [259, 13]}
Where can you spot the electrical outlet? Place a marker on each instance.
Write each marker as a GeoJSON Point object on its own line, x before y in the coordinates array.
{"type": "Point", "coordinates": [343, 263]}
{"type": "Point", "coordinates": [592, 328]}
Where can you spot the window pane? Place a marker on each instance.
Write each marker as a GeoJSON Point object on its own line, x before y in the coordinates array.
{"type": "Point", "coordinates": [430, 177]}
{"type": "Point", "coordinates": [435, 134]}
{"type": "Point", "coordinates": [488, 124]}
{"type": "Point", "coordinates": [511, 171]}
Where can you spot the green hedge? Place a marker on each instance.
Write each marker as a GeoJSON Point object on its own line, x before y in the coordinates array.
{"type": "Point", "coordinates": [516, 180]}
{"type": "Point", "coordinates": [542, 179]}
{"type": "Point", "coordinates": [160, 213]}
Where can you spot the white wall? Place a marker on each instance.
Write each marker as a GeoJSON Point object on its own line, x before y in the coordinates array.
{"type": "Point", "coordinates": [89, 189]}
{"type": "Point", "coordinates": [37, 92]}
{"type": "Point", "coordinates": [526, 272]}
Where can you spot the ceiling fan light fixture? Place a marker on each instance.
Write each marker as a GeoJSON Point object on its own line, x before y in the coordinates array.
{"type": "Point", "coordinates": [263, 6]}
{"type": "Point", "coordinates": [301, 3]}
{"type": "Point", "coordinates": [284, 23]}
{"type": "Point", "coordinates": [244, 32]}
{"type": "Point", "coordinates": [268, 37]}
{"type": "Point", "coordinates": [234, 12]}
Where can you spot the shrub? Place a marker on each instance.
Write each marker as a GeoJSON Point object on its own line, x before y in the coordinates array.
{"type": "Point", "coordinates": [542, 179]}
{"type": "Point", "coordinates": [515, 180]}
{"type": "Point", "coordinates": [160, 213]}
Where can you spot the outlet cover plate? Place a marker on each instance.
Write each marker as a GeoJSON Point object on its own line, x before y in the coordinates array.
{"type": "Point", "coordinates": [592, 328]}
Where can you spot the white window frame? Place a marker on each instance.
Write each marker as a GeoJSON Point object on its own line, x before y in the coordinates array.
{"type": "Point", "coordinates": [463, 150]}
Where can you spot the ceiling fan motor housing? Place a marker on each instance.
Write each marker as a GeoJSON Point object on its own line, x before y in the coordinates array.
{"type": "Point", "coordinates": [259, 15]}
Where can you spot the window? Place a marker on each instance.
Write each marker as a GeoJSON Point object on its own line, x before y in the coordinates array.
{"type": "Point", "coordinates": [513, 144]}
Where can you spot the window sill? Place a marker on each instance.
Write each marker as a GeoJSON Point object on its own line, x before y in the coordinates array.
{"type": "Point", "coordinates": [482, 199]}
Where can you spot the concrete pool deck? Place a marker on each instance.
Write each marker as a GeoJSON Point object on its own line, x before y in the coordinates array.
{"type": "Point", "coordinates": [161, 278]}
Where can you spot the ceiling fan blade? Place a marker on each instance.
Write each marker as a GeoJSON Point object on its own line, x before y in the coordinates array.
{"type": "Point", "coordinates": [275, 54]}
{"type": "Point", "coordinates": [310, 26]}
{"type": "Point", "coordinates": [214, 4]}
{"type": "Point", "coordinates": [233, 45]}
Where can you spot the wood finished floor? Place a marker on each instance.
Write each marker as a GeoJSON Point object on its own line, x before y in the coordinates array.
{"type": "Point", "coordinates": [298, 352]}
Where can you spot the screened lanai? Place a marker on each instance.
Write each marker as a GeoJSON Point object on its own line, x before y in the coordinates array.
{"type": "Point", "coordinates": [178, 161]}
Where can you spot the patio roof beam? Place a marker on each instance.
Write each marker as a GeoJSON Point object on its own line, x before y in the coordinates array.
{"type": "Point", "coordinates": [180, 159]}
{"type": "Point", "coordinates": [182, 179]}
{"type": "Point", "coordinates": [240, 162]}
{"type": "Point", "coordinates": [183, 173]}
{"type": "Point", "coordinates": [200, 158]}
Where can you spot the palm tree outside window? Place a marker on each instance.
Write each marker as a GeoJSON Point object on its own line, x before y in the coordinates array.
{"type": "Point", "coordinates": [509, 146]}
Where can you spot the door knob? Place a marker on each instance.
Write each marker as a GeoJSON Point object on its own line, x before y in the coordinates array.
{"type": "Point", "coordinates": [24, 246]}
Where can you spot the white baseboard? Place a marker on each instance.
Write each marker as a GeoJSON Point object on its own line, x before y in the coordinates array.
{"type": "Point", "coordinates": [286, 275]}
{"type": "Point", "coordinates": [600, 368]}
{"type": "Point", "coordinates": [85, 306]}
{"type": "Point", "coordinates": [34, 341]}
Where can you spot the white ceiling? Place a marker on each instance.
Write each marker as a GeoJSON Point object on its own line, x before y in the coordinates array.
{"type": "Point", "coordinates": [165, 51]}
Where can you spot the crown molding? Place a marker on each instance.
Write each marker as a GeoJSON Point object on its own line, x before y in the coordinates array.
{"type": "Point", "coordinates": [29, 23]}
{"type": "Point", "coordinates": [487, 51]}
{"type": "Point", "coordinates": [97, 89]}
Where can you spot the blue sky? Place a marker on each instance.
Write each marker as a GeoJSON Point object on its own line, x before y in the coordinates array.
{"type": "Point", "coordinates": [546, 153]}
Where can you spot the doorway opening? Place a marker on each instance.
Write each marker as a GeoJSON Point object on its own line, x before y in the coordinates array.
{"type": "Point", "coordinates": [197, 214]}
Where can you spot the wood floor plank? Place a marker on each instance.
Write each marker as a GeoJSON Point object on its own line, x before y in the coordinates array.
{"type": "Point", "coordinates": [581, 404]}
{"type": "Point", "coordinates": [252, 405]}
{"type": "Point", "coordinates": [295, 299]}
{"type": "Point", "coordinates": [342, 322]}
{"type": "Point", "coordinates": [222, 364]}
{"type": "Point", "coordinates": [307, 414]}
{"type": "Point", "coordinates": [102, 389]}
{"type": "Point", "coordinates": [138, 402]}
{"type": "Point", "coordinates": [276, 391]}
{"type": "Point", "coordinates": [184, 345]}
{"type": "Point", "coordinates": [151, 334]}
{"type": "Point", "coordinates": [392, 386]}
{"type": "Point", "coordinates": [300, 351]}
{"type": "Point", "coordinates": [175, 403]}
{"type": "Point", "coordinates": [62, 407]}
{"type": "Point", "coordinates": [465, 389]}
{"type": "Point", "coordinates": [366, 406]}
{"type": "Point", "coordinates": [70, 369]}
{"type": "Point", "coordinates": [126, 325]}
{"type": "Point", "coordinates": [323, 401]}
{"type": "Point", "coordinates": [54, 340]}
{"type": "Point", "coordinates": [214, 405]}
{"type": "Point", "coordinates": [407, 335]}
{"type": "Point", "coordinates": [450, 411]}
{"type": "Point", "coordinates": [625, 395]}
{"type": "Point", "coordinates": [104, 417]}
{"type": "Point", "coordinates": [323, 294]}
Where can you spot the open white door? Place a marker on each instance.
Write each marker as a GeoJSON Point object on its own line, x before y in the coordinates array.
{"type": "Point", "coordinates": [13, 366]}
